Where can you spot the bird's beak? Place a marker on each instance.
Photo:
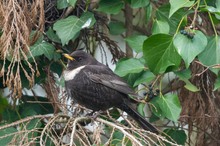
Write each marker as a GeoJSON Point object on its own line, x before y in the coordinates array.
{"type": "Point", "coordinates": [68, 57]}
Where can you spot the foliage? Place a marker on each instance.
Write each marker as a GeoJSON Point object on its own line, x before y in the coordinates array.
{"type": "Point", "coordinates": [178, 40]}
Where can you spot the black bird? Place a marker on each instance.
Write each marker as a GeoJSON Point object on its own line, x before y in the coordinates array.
{"type": "Point", "coordinates": [95, 86]}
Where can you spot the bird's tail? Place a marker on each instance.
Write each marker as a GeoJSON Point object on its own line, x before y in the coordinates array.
{"type": "Point", "coordinates": [138, 118]}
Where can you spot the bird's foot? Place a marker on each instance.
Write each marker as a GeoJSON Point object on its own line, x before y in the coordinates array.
{"type": "Point", "coordinates": [93, 115]}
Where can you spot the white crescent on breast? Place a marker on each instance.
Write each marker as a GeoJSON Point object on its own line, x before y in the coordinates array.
{"type": "Point", "coordinates": [70, 74]}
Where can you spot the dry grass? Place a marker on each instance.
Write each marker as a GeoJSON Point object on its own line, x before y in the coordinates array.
{"type": "Point", "coordinates": [18, 18]}
{"type": "Point", "coordinates": [65, 130]}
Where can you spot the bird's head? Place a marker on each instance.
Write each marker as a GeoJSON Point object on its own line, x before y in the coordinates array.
{"type": "Point", "coordinates": [79, 58]}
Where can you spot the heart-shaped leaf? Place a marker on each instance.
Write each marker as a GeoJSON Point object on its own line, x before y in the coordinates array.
{"type": "Point", "coordinates": [170, 106]}
{"type": "Point", "coordinates": [188, 48]}
{"type": "Point", "coordinates": [210, 56]}
{"type": "Point", "coordinates": [160, 26]}
{"type": "Point", "coordinates": [177, 4]}
{"type": "Point", "coordinates": [131, 65]}
{"type": "Point", "coordinates": [136, 42]}
{"type": "Point", "coordinates": [160, 53]}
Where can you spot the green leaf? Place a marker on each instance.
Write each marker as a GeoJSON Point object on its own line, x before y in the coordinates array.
{"type": "Point", "coordinates": [212, 49]}
{"type": "Point", "coordinates": [7, 139]}
{"type": "Point", "coordinates": [160, 53]}
{"type": "Point", "coordinates": [179, 136]}
{"type": "Point", "coordinates": [110, 6]}
{"type": "Point", "coordinates": [116, 28]}
{"type": "Point", "coordinates": [140, 109]}
{"type": "Point", "coordinates": [69, 27]}
{"type": "Point", "coordinates": [190, 86]}
{"type": "Point", "coordinates": [128, 66]}
{"type": "Point", "coordinates": [88, 19]}
{"type": "Point", "coordinates": [148, 13]}
{"type": "Point", "coordinates": [211, 10]}
{"type": "Point", "coordinates": [139, 3]}
{"type": "Point", "coordinates": [61, 4]}
{"type": "Point", "coordinates": [187, 48]}
{"type": "Point", "coordinates": [177, 4]}
{"type": "Point", "coordinates": [163, 14]}
{"type": "Point", "coordinates": [52, 36]}
{"type": "Point", "coordinates": [3, 104]}
{"type": "Point", "coordinates": [160, 26]}
{"type": "Point", "coordinates": [33, 124]}
{"type": "Point", "coordinates": [146, 77]}
{"type": "Point", "coordinates": [217, 84]}
{"type": "Point", "coordinates": [117, 138]}
{"type": "Point", "coordinates": [114, 112]}
{"type": "Point", "coordinates": [136, 42]}
{"type": "Point", "coordinates": [131, 78]}
{"type": "Point", "coordinates": [185, 75]}
{"type": "Point", "coordinates": [72, 2]}
{"type": "Point", "coordinates": [155, 107]}
{"type": "Point", "coordinates": [43, 48]}
{"type": "Point", "coordinates": [217, 3]}
{"type": "Point", "coordinates": [170, 106]}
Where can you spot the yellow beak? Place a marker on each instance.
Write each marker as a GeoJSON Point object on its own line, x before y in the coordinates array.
{"type": "Point", "coordinates": [68, 57]}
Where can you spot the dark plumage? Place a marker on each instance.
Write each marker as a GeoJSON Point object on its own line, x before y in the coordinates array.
{"type": "Point", "coordinates": [96, 87]}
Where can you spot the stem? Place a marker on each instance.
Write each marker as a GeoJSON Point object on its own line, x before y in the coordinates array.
{"type": "Point", "coordinates": [129, 27]}
{"type": "Point", "coordinates": [210, 17]}
{"type": "Point", "coordinates": [178, 27]}
{"type": "Point", "coordinates": [195, 14]}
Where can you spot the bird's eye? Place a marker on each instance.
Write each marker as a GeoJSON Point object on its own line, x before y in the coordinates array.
{"type": "Point", "coordinates": [79, 58]}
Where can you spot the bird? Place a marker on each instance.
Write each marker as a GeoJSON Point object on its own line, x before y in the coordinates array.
{"type": "Point", "coordinates": [96, 87]}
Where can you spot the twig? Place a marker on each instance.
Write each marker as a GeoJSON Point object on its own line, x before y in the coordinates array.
{"type": "Point", "coordinates": [23, 120]}
{"type": "Point", "coordinates": [121, 129]}
{"type": "Point", "coordinates": [74, 128]}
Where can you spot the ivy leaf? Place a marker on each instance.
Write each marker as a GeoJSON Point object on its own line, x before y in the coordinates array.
{"type": "Point", "coordinates": [7, 131]}
{"type": "Point", "coordinates": [177, 4]}
{"type": "Point", "coordinates": [140, 109]}
{"type": "Point", "coordinates": [160, 53]}
{"type": "Point", "coordinates": [163, 14]}
{"type": "Point", "coordinates": [43, 48]}
{"type": "Point", "coordinates": [128, 66]}
{"type": "Point", "coordinates": [139, 3]}
{"type": "Point", "coordinates": [131, 78]}
{"type": "Point", "coordinates": [61, 4]}
{"type": "Point", "coordinates": [116, 28]}
{"type": "Point", "coordinates": [179, 136]}
{"type": "Point", "coordinates": [52, 36]}
{"type": "Point", "coordinates": [155, 107]}
{"type": "Point", "coordinates": [88, 19]}
{"type": "Point", "coordinates": [217, 3]}
{"type": "Point", "coordinates": [148, 13]}
{"type": "Point", "coordinates": [187, 48]}
{"type": "Point", "coordinates": [147, 76]}
{"type": "Point", "coordinates": [69, 27]}
{"type": "Point", "coordinates": [136, 42]}
{"type": "Point", "coordinates": [160, 27]}
{"type": "Point", "coordinates": [217, 84]}
{"type": "Point", "coordinates": [185, 75]}
{"type": "Point", "coordinates": [72, 2]}
{"type": "Point", "coordinates": [170, 106]}
{"type": "Point", "coordinates": [110, 6]}
{"type": "Point", "coordinates": [211, 10]}
{"type": "Point", "coordinates": [212, 49]}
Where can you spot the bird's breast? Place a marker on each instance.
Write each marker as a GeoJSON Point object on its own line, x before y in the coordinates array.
{"type": "Point", "coordinates": [70, 74]}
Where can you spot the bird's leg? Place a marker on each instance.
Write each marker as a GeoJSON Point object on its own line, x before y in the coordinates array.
{"type": "Point", "coordinates": [93, 115]}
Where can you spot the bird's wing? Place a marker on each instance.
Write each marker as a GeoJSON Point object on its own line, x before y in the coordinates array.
{"type": "Point", "coordinates": [108, 78]}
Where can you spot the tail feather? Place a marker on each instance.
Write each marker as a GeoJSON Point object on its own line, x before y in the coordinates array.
{"type": "Point", "coordinates": [138, 118]}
